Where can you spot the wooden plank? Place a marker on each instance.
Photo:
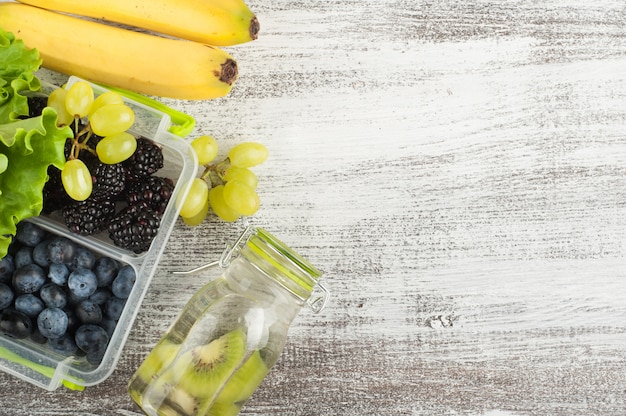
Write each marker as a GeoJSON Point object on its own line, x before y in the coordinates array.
{"type": "Point", "coordinates": [457, 171]}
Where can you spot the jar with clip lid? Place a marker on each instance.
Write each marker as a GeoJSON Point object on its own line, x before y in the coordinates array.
{"type": "Point", "coordinates": [231, 332]}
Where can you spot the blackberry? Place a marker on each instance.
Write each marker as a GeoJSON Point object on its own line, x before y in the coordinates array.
{"type": "Point", "coordinates": [154, 191]}
{"type": "Point", "coordinates": [134, 228]}
{"type": "Point", "coordinates": [90, 216]}
{"type": "Point", "coordinates": [67, 148]}
{"type": "Point", "coordinates": [108, 180]}
{"type": "Point", "coordinates": [94, 139]}
{"type": "Point", "coordinates": [54, 195]}
{"type": "Point", "coordinates": [36, 104]}
{"type": "Point", "coordinates": [147, 159]}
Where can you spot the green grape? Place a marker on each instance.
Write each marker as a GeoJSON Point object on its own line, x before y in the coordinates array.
{"type": "Point", "coordinates": [109, 97]}
{"type": "Point", "coordinates": [56, 100]}
{"type": "Point", "coordinates": [196, 198]}
{"type": "Point", "coordinates": [221, 209]}
{"type": "Point", "coordinates": [199, 217]}
{"type": "Point", "coordinates": [241, 198]}
{"type": "Point", "coordinates": [244, 175]}
{"type": "Point", "coordinates": [205, 148]}
{"type": "Point", "coordinates": [246, 155]}
{"type": "Point", "coordinates": [111, 119]}
{"type": "Point", "coordinates": [76, 179]}
{"type": "Point", "coordinates": [79, 99]}
{"type": "Point", "coordinates": [116, 148]}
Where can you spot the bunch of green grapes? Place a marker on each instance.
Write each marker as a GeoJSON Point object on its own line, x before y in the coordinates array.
{"type": "Point", "coordinates": [106, 116]}
{"type": "Point", "coordinates": [227, 187]}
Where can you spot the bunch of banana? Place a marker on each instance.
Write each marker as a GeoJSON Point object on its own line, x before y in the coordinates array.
{"type": "Point", "coordinates": [175, 53]}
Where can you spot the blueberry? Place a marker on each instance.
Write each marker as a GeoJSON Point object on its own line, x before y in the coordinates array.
{"type": "Point", "coordinates": [29, 278]}
{"type": "Point", "coordinates": [95, 357]}
{"type": "Point", "coordinates": [123, 283]}
{"type": "Point", "coordinates": [37, 337]}
{"type": "Point", "coordinates": [15, 324]}
{"type": "Point", "coordinates": [58, 273]}
{"type": "Point", "coordinates": [64, 345]}
{"type": "Point", "coordinates": [73, 299]}
{"type": "Point", "coordinates": [106, 270]}
{"type": "Point", "coordinates": [82, 282]}
{"type": "Point", "coordinates": [114, 307]}
{"type": "Point", "coordinates": [100, 296]}
{"type": "Point", "coordinates": [108, 325]}
{"type": "Point", "coordinates": [40, 254]}
{"type": "Point", "coordinates": [6, 296]}
{"type": "Point", "coordinates": [88, 312]}
{"type": "Point", "coordinates": [23, 256]}
{"type": "Point", "coordinates": [72, 319]}
{"type": "Point", "coordinates": [29, 304]}
{"type": "Point", "coordinates": [91, 339]}
{"type": "Point", "coordinates": [29, 234]}
{"type": "Point", "coordinates": [83, 257]}
{"type": "Point", "coordinates": [7, 267]}
{"type": "Point", "coordinates": [61, 250]}
{"type": "Point", "coordinates": [53, 295]}
{"type": "Point", "coordinates": [52, 322]}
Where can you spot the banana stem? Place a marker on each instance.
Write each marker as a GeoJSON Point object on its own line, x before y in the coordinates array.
{"type": "Point", "coordinates": [229, 72]}
{"type": "Point", "coordinates": [255, 27]}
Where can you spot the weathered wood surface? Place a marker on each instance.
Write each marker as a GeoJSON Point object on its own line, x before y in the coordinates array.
{"type": "Point", "coordinates": [457, 170]}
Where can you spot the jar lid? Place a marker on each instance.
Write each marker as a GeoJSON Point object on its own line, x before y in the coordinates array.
{"type": "Point", "coordinates": [286, 267]}
{"type": "Point", "coordinates": [284, 259]}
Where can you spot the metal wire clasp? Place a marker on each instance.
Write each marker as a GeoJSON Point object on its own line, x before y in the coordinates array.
{"type": "Point", "coordinates": [318, 299]}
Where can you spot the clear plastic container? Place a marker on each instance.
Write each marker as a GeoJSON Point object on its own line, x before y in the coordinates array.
{"type": "Point", "coordinates": [39, 365]}
{"type": "Point", "coordinates": [230, 333]}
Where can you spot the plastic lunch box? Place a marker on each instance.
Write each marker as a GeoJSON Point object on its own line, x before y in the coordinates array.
{"type": "Point", "coordinates": [42, 367]}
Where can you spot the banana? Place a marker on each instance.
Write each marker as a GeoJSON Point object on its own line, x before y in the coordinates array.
{"type": "Point", "coordinates": [214, 22]}
{"type": "Point", "coordinates": [148, 64]}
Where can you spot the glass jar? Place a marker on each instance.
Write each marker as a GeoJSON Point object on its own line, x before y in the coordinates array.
{"type": "Point", "coordinates": [230, 333]}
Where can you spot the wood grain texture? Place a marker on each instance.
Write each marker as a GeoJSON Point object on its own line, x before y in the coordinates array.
{"type": "Point", "coordinates": [457, 171]}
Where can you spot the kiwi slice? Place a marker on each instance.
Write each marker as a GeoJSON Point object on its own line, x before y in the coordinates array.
{"type": "Point", "coordinates": [161, 356]}
{"type": "Point", "coordinates": [167, 398]}
{"type": "Point", "coordinates": [204, 369]}
{"type": "Point", "coordinates": [178, 402]}
{"type": "Point", "coordinates": [245, 381]}
{"type": "Point", "coordinates": [148, 373]}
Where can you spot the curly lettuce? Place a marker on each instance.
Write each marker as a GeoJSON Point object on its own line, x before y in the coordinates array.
{"type": "Point", "coordinates": [28, 146]}
{"type": "Point", "coordinates": [18, 65]}
{"type": "Point", "coordinates": [35, 144]}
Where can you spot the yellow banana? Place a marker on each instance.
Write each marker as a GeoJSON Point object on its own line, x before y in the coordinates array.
{"type": "Point", "coordinates": [214, 22]}
{"type": "Point", "coordinates": [110, 55]}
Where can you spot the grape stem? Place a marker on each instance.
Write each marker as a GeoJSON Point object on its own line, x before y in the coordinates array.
{"type": "Point", "coordinates": [76, 124]}
{"type": "Point", "coordinates": [81, 137]}
{"type": "Point", "coordinates": [214, 173]}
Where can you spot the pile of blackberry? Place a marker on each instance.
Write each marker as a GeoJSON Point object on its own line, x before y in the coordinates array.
{"type": "Point", "coordinates": [128, 199]}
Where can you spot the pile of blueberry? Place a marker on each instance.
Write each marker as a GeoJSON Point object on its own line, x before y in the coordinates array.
{"type": "Point", "coordinates": [57, 292]}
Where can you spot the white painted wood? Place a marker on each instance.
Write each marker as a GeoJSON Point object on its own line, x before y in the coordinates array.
{"type": "Point", "coordinates": [457, 170]}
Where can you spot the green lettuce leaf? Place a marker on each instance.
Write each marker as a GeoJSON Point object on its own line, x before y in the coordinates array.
{"type": "Point", "coordinates": [17, 75]}
{"type": "Point", "coordinates": [30, 146]}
